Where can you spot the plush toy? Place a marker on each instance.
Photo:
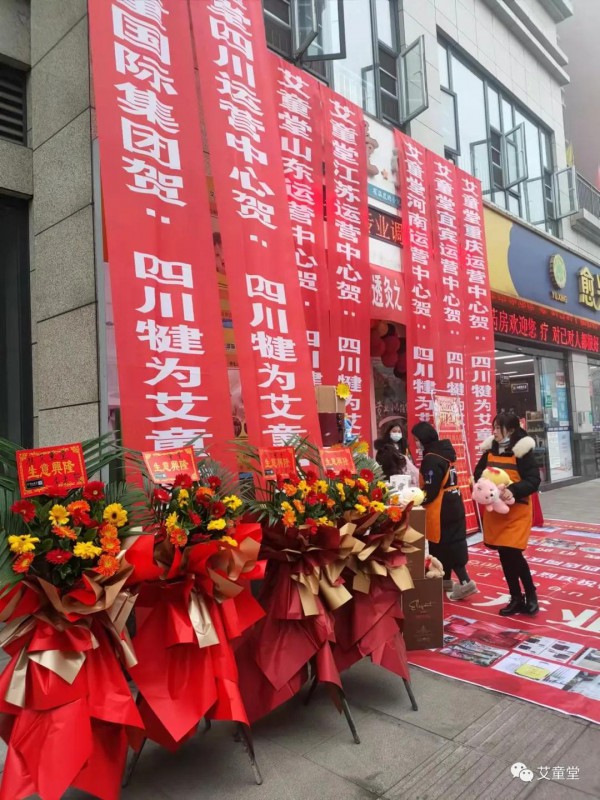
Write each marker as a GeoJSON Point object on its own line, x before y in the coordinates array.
{"type": "Point", "coordinates": [487, 494]}
{"type": "Point", "coordinates": [411, 494]}
{"type": "Point", "coordinates": [497, 476]}
{"type": "Point", "coordinates": [433, 567]}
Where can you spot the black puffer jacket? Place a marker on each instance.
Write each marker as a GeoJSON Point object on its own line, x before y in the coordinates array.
{"type": "Point", "coordinates": [438, 457]}
{"type": "Point", "coordinates": [529, 473]}
{"type": "Point", "coordinates": [390, 457]}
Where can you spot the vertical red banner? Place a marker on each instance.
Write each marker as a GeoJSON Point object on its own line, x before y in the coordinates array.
{"type": "Point", "coordinates": [424, 312]}
{"type": "Point", "coordinates": [266, 304]}
{"type": "Point", "coordinates": [479, 344]}
{"type": "Point", "coordinates": [171, 361]}
{"type": "Point", "coordinates": [300, 133]}
{"type": "Point", "coordinates": [348, 255]}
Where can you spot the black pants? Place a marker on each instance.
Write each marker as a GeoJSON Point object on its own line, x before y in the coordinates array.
{"type": "Point", "coordinates": [516, 571]}
{"type": "Point", "coordinates": [454, 557]}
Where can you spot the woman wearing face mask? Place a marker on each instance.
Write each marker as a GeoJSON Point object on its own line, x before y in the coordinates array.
{"type": "Point", "coordinates": [392, 454]}
{"type": "Point", "coordinates": [511, 449]}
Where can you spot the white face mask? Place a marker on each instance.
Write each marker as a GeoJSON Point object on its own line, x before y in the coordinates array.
{"type": "Point", "coordinates": [396, 437]}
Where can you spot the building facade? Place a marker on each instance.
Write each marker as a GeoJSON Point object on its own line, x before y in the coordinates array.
{"type": "Point", "coordinates": [480, 82]}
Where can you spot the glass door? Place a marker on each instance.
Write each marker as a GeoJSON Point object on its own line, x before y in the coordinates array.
{"type": "Point", "coordinates": [557, 417]}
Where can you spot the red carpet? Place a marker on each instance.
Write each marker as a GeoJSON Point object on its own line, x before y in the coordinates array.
{"type": "Point", "coordinates": [553, 659]}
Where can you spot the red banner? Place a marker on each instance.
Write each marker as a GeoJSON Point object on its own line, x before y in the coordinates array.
{"type": "Point", "coordinates": [424, 312]}
{"type": "Point", "coordinates": [171, 361]}
{"type": "Point", "coordinates": [388, 297]}
{"type": "Point", "coordinates": [451, 320]}
{"type": "Point", "coordinates": [245, 153]}
{"type": "Point", "coordinates": [480, 375]}
{"type": "Point", "coordinates": [300, 122]}
{"type": "Point", "coordinates": [348, 255]}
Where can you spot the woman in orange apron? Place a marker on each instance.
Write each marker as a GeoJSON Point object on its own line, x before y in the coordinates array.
{"type": "Point", "coordinates": [511, 449]}
{"type": "Point", "coordinates": [445, 521]}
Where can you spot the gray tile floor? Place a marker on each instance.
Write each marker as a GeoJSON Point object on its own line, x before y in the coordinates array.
{"type": "Point", "coordinates": [460, 745]}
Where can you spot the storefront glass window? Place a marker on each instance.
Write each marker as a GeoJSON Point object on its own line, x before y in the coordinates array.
{"type": "Point", "coordinates": [557, 419]}
{"type": "Point", "coordinates": [594, 372]}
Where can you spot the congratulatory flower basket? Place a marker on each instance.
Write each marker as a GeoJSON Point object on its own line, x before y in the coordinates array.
{"type": "Point", "coordinates": [64, 604]}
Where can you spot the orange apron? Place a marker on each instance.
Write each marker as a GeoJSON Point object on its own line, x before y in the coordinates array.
{"type": "Point", "coordinates": [433, 510]}
{"type": "Point", "coordinates": [512, 529]}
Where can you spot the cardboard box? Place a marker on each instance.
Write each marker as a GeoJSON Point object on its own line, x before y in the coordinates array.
{"type": "Point", "coordinates": [423, 607]}
{"type": "Point", "coordinates": [328, 402]}
{"type": "Point", "coordinates": [414, 548]}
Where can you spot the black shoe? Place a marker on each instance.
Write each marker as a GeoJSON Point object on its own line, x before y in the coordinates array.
{"type": "Point", "coordinates": [531, 603]}
{"type": "Point", "coordinates": [516, 606]}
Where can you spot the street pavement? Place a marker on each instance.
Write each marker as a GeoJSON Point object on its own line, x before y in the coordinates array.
{"type": "Point", "coordinates": [459, 745]}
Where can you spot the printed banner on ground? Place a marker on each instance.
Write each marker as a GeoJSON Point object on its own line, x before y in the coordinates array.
{"type": "Point", "coordinates": [171, 361]}
{"type": "Point", "coordinates": [245, 154]}
{"type": "Point", "coordinates": [348, 255]}
{"type": "Point", "coordinates": [552, 659]}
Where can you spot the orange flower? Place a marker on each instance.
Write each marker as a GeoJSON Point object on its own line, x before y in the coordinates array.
{"type": "Point", "coordinates": [290, 489]}
{"type": "Point", "coordinates": [395, 500]}
{"type": "Point", "coordinates": [178, 537]}
{"type": "Point", "coordinates": [64, 533]}
{"type": "Point", "coordinates": [22, 563]}
{"type": "Point", "coordinates": [108, 531]}
{"type": "Point", "coordinates": [330, 502]}
{"type": "Point", "coordinates": [289, 519]}
{"type": "Point", "coordinates": [364, 501]}
{"type": "Point", "coordinates": [299, 506]}
{"type": "Point", "coordinates": [394, 513]}
{"type": "Point", "coordinates": [110, 545]}
{"type": "Point", "coordinates": [78, 505]}
{"type": "Point", "coordinates": [107, 566]}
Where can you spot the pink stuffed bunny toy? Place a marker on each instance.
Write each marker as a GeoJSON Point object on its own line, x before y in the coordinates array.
{"type": "Point", "coordinates": [488, 494]}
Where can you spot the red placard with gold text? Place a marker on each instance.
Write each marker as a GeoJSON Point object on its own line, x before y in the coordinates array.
{"type": "Point", "coordinates": [337, 459]}
{"type": "Point", "coordinates": [278, 462]}
{"type": "Point", "coordinates": [348, 359]}
{"type": "Point", "coordinates": [49, 470]}
{"type": "Point", "coordinates": [170, 351]}
{"type": "Point", "coordinates": [165, 465]}
{"type": "Point", "coordinates": [300, 122]}
{"type": "Point", "coordinates": [245, 152]}
{"type": "Point", "coordinates": [421, 275]}
{"type": "Point", "coordinates": [480, 375]}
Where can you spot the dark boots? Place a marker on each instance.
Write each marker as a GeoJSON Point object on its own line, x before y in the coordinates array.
{"type": "Point", "coordinates": [516, 606]}
{"type": "Point", "coordinates": [520, 604]}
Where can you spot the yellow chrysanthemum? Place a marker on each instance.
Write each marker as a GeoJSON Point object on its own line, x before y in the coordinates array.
{"type": "Point", "coordinates": [360, 508]}
{"type": "Point", "coordinates": [303, 486]}
{"type": "Point", "coordinates": [86, 550]}
{"type": "Point", "coordinates": [341, 490]}
{"type": "Point", "coordinates": [183, 498]}
{"type": "Point", "coordinates": [171, 522]}
{"type": "Point", "coordinates": [350, 482]}
{"type": "Point", "coordinates": [216, 525]}
{"type": "Point", "coordinates": [22, 544]}
{"type": "Point", "coordinates": [230, 540]}
{"type": "Point", "coordinates": [379, 507]}
{"type": "Point", "coordinates": [381, 485]}
{"type": "Point", "coordinates": [323, 521]}
{"type": "Point", "coordinates": [364, 485]}
{"type": "Point", "coordinates": [343, 391]}
{"type": "Point", "coordinates": [322, 487]}
{"type": "Point", "coordinates": [232, 502]}
{"type": "Point", "coordinates": [58, 515]}
{"type": "Point", "coordinates": [362, 448]}
{"type": "Point", "coordinates": [115, 514]}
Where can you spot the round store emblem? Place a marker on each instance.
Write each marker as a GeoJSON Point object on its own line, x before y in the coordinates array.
{"type": "Point", "coordinates": [558, 271]}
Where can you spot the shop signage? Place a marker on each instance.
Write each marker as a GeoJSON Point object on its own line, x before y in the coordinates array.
{"type": "Point", "coordinates": [519, 388]}
{"type": "Point", "coordinates": [385, 227]}
{"type": "Point", "coordinates": [387, 295]}
{"type": "Point", "coordinates": [589, 289]}
{"type": "Point", "coordinates": [524, 320]}
{"type": "Point", "coordinates": [51, 470]}
{"type": "Point", "coordinates": [558, 277]}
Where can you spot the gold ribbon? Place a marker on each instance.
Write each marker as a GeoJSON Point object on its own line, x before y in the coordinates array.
{"type": "Point", "coordinates": [200, 618]}
{"type": "Point", "coordinates": [371, 560]}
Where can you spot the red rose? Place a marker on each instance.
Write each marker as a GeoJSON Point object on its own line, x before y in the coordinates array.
{"type": "Point", "coordinates": [161, 496]}
{"type": "Point", "coordinates": [218, 509]}
{"type": "Point", "coordinates": [367, 475]}
{"type": "Point", "coordinates": [376, 494]}
{"type": "Point", "coordinates": [94, 490]}
{"type": "Point", "coordinates": [195, 519]}
{"type": "Point", "coordinates": [24, 509]}
{"type": "Point", "coordinates": [183, 481]}
{"type": "Point", "coordinates": [58, 556]}
{"type": "Point", "coordinates": [311, 477]}
{"type": "Point", "coordinates": [214, 482]}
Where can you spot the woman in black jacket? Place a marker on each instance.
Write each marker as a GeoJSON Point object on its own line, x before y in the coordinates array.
{"type": "Point", "coordinates": [392, 454]}
{"type": "Point", "coordinates": [511, 449]}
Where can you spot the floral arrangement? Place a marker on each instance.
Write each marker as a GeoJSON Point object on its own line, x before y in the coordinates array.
{"type": "Point", "coordinates": [191, 512]}
{"type": "Point", "coordinates": [61, 539]}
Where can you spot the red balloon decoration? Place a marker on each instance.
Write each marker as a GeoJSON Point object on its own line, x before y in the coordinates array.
{"type": "Point", "coordinates": [377, 348]}
{"type": "Point", "coordinates": [392, 343]}
{"type": "Point", "coordinates": [388, 359]}
{"type": "Point", "coordinates": [401, 362]}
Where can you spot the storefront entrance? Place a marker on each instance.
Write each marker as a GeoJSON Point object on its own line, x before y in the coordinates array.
{"type": "Point", "coordinates": [534, 385]}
